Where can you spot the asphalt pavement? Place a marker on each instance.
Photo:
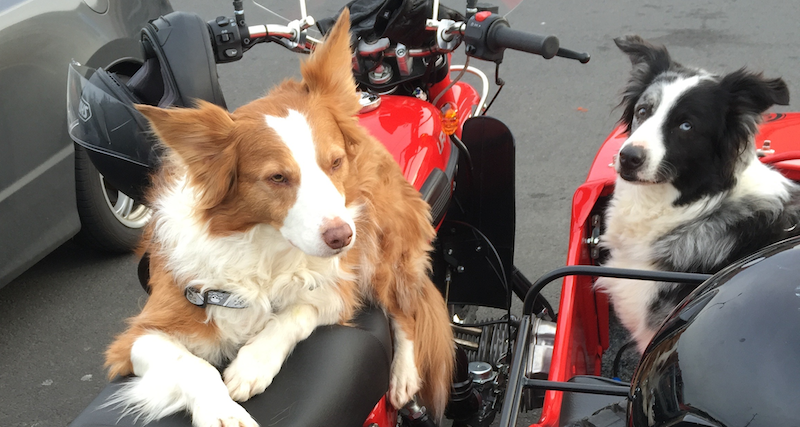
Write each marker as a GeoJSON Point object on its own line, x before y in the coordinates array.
{"type": "Point", "coordinates": [57, 318]}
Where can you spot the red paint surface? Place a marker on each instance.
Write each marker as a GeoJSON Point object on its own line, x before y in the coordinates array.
{"type": "Point", "coordinates": [411, 129]}
{"type": "Point", "coordinates": [382, 415]}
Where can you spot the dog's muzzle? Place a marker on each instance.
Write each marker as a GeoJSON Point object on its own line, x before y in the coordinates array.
{"type": "Point", "coordinates": [631, 159]}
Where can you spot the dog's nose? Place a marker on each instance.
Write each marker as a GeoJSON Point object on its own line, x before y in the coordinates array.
{"type": "Point", "coordinates": [632, 157]}
{"type": "Point", "coordinates": [337, 234]}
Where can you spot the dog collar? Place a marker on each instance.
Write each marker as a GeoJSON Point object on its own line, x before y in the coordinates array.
{"type": "Point", "coordinates": [214, 297]}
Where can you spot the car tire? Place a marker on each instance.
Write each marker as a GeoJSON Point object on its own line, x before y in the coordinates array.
{"type": "Point", "coordinates": [110, 220]}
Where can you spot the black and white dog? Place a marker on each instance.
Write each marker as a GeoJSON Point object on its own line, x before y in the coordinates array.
{"type": "Point", "coordinates": [691, 194]}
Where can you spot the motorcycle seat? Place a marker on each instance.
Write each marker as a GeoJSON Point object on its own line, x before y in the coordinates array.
{"type": "Point", "coordinates": [335, 377]}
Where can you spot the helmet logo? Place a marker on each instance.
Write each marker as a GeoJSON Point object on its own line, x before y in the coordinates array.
{"type": "Point", "coordinates": [84, 111]}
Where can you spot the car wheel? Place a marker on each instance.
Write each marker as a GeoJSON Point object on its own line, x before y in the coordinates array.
{"type": "Point", "coordinates": [110, 220]}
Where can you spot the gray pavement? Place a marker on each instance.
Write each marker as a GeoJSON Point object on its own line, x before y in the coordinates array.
{"type": "Point", "coordinates": [56, 319]}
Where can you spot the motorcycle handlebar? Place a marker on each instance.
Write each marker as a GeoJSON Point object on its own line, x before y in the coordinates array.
{"type": "Point", "coordinates": [502, 36]}
{"type": "Point", "coordinates": [259, 31]}
{"type": "Point", "coordinates": [486, 37]}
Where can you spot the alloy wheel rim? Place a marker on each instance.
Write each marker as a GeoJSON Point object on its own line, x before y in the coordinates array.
{"type": "Point", "coordinates": [127, 211]}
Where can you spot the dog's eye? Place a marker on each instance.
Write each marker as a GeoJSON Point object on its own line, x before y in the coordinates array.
{"type": "Point", "coordinates": [641, 112]}
{"type": "Point", "coordinates": [278, 178]}
{"type": "Point", "coordinates": [336, 163]}
{"type": "Point", "coordinates": [685, 126]}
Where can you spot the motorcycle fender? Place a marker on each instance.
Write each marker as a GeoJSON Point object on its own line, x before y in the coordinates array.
{"type": "Point", "coordinates": [474, 255]}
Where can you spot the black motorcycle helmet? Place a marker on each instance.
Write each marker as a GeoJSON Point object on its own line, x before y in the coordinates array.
{"type": "Point", "coordinates": [729, 355]}
{"type": "Point", "coordinates": [179, 67]}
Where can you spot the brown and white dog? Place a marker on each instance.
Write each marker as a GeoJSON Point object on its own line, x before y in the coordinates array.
{"type": "Point", "coordinates": [292, 208]}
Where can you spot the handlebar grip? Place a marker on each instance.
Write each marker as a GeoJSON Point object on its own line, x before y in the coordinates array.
{"type": "Point", "coordinates": [504, 37]}
{"type": "Point", "coordinates": [581, 57]}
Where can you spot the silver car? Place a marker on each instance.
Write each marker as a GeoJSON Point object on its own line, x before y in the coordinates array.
{"type": "Point", "coordinates": [49, 190]}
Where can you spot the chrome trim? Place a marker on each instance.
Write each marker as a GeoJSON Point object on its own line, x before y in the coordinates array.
{"type": "Point", "coordinates": [540, 350]}
{"type": "Point", "coordinates": [484, 83]}
{"type": "Point", "coordinates": [369, 102]}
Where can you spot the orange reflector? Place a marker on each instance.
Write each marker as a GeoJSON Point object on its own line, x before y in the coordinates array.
{"type": "Point", "coordinates": [449, 119]}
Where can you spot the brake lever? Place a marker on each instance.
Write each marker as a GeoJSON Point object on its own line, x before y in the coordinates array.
{"type": "Point", "coordinates": [581, 57]}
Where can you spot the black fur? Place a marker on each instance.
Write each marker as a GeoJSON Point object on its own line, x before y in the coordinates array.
{"type": "Point", "coordinates": [724, 114]}
{"type": "Point", "coordinates": [668, 297]}
{"type": "Point", "coordinates": [649, 62]}
{"type": "Point", "coordinates": [734, 230]}
{"type": "Point", "coordinates": [709, 243]}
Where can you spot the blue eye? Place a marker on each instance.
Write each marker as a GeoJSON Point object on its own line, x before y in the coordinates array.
{"type": "Point", "coordinates": [686, 126]}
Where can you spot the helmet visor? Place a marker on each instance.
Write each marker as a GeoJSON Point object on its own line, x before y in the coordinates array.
{"type": "Point", "coordinates": [102, 119]}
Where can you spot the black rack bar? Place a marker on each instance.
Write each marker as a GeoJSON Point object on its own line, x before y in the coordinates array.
{"type": "Point", "coordinates": [621, 273]}
{"type": "Point", "coordinates": [510, 409]}
{"type": "Point", "coordinates": [608, 390]}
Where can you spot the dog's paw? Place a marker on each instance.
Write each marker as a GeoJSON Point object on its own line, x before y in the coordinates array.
{"type": "Point", "coordinates": [249, 375]}
{"type": "Point", "coordinates": [405, 383]}
{"type": "Point", "coordinates": [221, 414]}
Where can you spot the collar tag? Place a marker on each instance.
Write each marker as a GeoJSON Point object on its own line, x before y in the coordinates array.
{"type": "Point", "coordinates": [214, 297]}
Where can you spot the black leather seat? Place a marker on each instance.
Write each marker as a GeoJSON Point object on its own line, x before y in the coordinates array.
{"type": "Point", "coordinates": [333, 378]}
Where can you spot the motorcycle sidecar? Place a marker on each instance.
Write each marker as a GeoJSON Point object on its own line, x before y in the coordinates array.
{"type": "Point", "coordinates": [582, 334]}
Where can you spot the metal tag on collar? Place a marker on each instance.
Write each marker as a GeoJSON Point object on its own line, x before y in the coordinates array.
{"type": "Point", "coordinates": [214, 297]}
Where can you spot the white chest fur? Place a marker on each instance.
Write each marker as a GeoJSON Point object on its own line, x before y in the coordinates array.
{"type": "Point", "coordinates": [639, 215]}
{"type": "Point", "coordinates": [258, 266]}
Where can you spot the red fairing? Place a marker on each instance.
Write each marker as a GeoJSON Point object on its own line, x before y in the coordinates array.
{"type": "Point", "coordinates": [783, 133]}
{"type": "Point", "coordinates": [582, 331]}
{"type": "Point", "coordinates": [411, 129]}
{"type": "Point", "coordinates": [382, 415]}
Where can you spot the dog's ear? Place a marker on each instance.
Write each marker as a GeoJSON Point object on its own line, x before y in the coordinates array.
{"type": "Point", "coordinates": [199, 137]}
{"type": "Point", "coordinates": [640, 52]}
{"type": "Point", "coordinates": [648, 62]}
{"type": "Point", "coordinates": [752, 93]}
{"type": "Point", "coordinates": [329, 70]}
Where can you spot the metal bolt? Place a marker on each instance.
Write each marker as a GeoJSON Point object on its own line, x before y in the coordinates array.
{"type": "Point", "coordinates": [449, 252]}
{"type": "Point", "coordinates": [460, 269]}
{"type": "Point", "coordinates": [766, 149]}
{"type": "Point", "coordinates": [478, 249]}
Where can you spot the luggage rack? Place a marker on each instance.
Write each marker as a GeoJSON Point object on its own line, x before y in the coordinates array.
{"type": "Point", "coordinates": [518, 382]}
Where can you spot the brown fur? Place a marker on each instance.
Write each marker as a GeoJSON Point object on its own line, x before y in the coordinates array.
{"type": "Point", "coordinates": [229, 155]}
{"type": "Point", "coordinates": [167, 311]}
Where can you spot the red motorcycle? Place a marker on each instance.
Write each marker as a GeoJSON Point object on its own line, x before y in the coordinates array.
{"type": "Point", "coordinates": [462, 161]}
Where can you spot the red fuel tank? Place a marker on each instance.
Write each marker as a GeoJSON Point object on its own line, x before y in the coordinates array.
{"type": "Point", "coordinates": [411, 129]}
